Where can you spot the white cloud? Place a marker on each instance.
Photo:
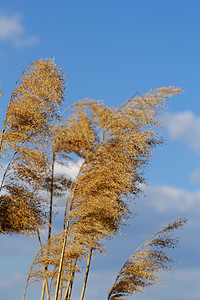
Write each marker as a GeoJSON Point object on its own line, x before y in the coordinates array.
{"type": "Point", "coordinates": [194, 176]}
{"type": "Point", "coordinates": [70, 170]}
{"type": "Point", "coordinates": [31, 40]}
{"type": "Point", "coordinates": [185, 126]}
{"type": "Point", "coordinates": [11, 29]}
{"type": "Point", "coordinates": [171, 199]}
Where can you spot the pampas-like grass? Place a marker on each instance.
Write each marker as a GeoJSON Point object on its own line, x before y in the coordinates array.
{"type": "Point", "coordinates": [26, 139]}
{"type": "Point", "coordinates": [142, 268]}
{"type": "Point", "coordinates": [115, 145]}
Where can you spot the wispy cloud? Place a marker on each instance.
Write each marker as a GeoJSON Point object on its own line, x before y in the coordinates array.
{"type": "Point", "coordinates": [172, 199]}
{"type": "Point", "coordinates": [71, 170]}
{"type": "Point", "coordinates": [185, 126]}
{"type": "Point", "coordinates": [12, 30]}
{"type": "Point", "coordinates": [194, 176]}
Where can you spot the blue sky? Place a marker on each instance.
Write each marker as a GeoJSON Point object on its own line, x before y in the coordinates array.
{"type": "Point", "coordinates": [110, 50]}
